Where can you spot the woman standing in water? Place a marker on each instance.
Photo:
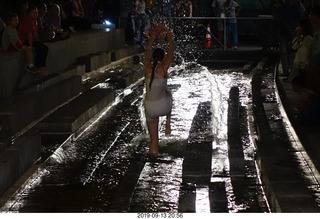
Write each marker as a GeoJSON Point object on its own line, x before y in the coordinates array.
{"type": "Point", "coordinates": [158, 99]}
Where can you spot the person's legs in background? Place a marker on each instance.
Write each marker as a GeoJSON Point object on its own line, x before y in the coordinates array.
{"type": "Point", "coordinates": [41, 52]}
{"type": "Point", "coordinates": [140, 28]}
{"type": "Point", "coordinates": [234, 34]}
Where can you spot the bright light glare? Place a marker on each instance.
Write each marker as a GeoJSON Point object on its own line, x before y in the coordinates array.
{"type": "Point", "coordinates": [106, 22]}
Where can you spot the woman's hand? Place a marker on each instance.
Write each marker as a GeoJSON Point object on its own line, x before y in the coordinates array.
{"type": "Point", "coordinates": [160, 29]}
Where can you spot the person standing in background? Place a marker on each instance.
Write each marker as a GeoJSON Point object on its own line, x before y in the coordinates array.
{"type": "Point", "coordinates": [287, 15]}
{"type": "Point", "coordinates": [140, 21]}
{"type": "Point", "coordinates": [231, 10]}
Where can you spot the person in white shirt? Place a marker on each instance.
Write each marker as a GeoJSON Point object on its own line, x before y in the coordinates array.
{"type": "Point", "coordinates": [231, 10]}
{"type": "Point", "coordinates": [301, 44]}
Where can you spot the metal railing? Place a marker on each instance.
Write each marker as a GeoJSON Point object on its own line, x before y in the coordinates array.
{"type": "Point", "coordinates": [185, 25]}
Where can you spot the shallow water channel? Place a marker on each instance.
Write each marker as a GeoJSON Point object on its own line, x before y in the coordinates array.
{"type": "Point", "coordinates": [95, 171]}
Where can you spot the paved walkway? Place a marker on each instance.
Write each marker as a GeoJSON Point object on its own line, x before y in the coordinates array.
{"type": "Point", "coordinates": [284, 183]}
{"type": "Point", "coordinates": [289, 165]}
{"type": "Point", "coordinates": [308, 135]}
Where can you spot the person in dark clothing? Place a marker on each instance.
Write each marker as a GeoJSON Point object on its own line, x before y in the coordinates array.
{"type": "Point", "coordinates": [130, 28]}
{"type": "Point", "coordinates": [140, 20]}
{"type": "Point", "coordinates": [287, 15]}
{"type": "Point", "coordinates": [72, 20]}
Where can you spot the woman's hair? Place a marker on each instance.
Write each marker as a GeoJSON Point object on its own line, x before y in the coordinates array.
{"type": "Point", "coordinates": [306, 26]}
{"type": "Point", "coordinates": [157, 56]}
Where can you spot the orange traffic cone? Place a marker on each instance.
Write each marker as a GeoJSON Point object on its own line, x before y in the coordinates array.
{"type": "Point", "coordinates": [208, 41]}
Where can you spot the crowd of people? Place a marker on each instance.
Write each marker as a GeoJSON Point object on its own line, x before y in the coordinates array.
{"type": "Point", "coordinates": [299, 33]}
{"type": "Point", "coordinates": [27, 25]}
{"type": "Point", "coordinates": [299, 46]}
{"type": "Point", "coordinates": [140, 17]}
{"type": "Point", "coordinates": [22, 34]}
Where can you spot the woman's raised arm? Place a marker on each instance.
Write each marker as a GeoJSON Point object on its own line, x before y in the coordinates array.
{"type": "Point", "coordinates": [148, 53]}
{"type": "Point", "coordinates": [170, 53]}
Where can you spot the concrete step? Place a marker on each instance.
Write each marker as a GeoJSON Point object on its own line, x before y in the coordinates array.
{"type": "Point", "coordinates": [74, 116]}
{"type": "Point", "coordinates": [27, 109]}
{"type": "Point", "coordinates": [285, 187]}
{"type": "Point", "coordinates": [199, 148]}
{"type": "Point", "coordinates": [18, 158]}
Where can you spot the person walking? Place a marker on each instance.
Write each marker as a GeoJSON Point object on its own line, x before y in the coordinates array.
{"type": "Point", "coordinates": [158, 99]}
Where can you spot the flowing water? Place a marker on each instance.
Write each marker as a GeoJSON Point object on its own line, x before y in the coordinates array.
{"type": "Point", "coordinates": [88, 174]}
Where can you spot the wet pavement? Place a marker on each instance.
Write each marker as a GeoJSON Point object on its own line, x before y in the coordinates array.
{"type": "Point", "coordinates": [105, 168]}
{"type": "Point", "coordinates": [202, 169]}
{"type": "Point", "coordinates": [289, 177]}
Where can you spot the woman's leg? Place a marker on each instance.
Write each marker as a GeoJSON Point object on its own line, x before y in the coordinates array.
{"type": "Point", "coordinates": [168, 125]}
{"type": "Point", "coordinates": [168, 117]}
{"type": "Point", "coordinates": [154, 136]}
